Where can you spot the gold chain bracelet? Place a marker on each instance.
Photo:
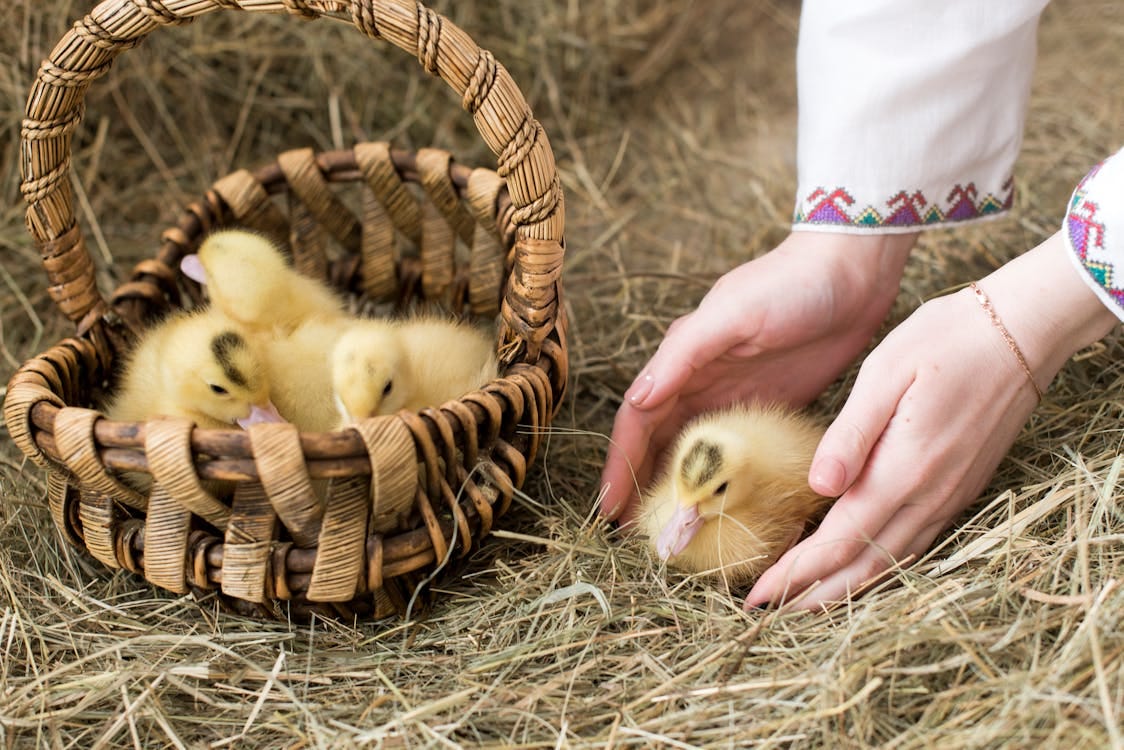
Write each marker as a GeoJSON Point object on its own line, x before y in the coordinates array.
{"type": "Point", "coordinates": [985, 303]}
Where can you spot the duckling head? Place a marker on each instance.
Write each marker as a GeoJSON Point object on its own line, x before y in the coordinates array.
{"type": "Point", "coordinates": [367, 372]}
{"type": "Point", "coordinates": [697, 488]}
{"type": "Point", "coordinates": [220, 377]}
{"type": "Point", "coordinates": [227, 262]}
{"type": "Point", "coordinates": [238, 249]}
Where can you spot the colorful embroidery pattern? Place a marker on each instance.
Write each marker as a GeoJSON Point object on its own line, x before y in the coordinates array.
{"type": "Point", "coordinates": [904, 209]}
{"type": "Point", "coordinates": [1087, 236]}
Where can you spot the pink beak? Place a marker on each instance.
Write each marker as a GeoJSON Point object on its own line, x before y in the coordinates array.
{"type": "Point", "coordinates": [267, 413]}
{"type": "Point", "coordinates": [193, 269]}
{"type": "Point", "coordinates": [678, 532]}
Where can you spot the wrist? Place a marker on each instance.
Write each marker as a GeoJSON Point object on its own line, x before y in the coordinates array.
{"type": "Point", "coordinates": [872, 262]}
{"type": "Point", "coordinates": [1047, 307]}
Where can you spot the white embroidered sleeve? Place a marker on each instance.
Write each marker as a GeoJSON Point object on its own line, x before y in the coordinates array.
{"type": "Point", "coordinates": [910, 111]}
{"type": "Point", "coordinates": [1094, 231]}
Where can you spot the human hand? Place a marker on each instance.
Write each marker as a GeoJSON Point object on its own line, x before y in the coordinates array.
{"type": "Point", "coordinates": [779, 328]}
{"type": "Point", "coordinates": [934, 410]}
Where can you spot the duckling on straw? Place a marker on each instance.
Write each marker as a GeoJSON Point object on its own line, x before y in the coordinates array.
{"type": "Point", "coordinates": [735, 494]}
{"type": "Point", "coordinates": [249, 280]}
{"type": "Point", "coordinates": [198, 365]}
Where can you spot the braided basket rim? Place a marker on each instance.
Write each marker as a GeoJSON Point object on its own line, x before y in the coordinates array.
{"type": "Point", "coordinates": [339, 444]}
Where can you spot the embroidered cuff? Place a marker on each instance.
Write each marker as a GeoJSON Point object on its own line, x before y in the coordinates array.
{"type": "Point", "coordinates": [839, 209]}
{"type": "Point", "coordinates": [1094, 231]}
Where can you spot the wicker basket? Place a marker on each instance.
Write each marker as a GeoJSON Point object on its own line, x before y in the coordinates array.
{"type": "Point", "coordinates": [407, 494]}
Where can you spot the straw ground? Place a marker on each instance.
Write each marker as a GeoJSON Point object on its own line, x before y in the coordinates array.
{"type": "Point", "coordinates": [673, 123]}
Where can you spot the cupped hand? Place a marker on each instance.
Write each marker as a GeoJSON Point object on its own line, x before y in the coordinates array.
{"type": "Point", "coordinates": [779, 328]}
{"type": "Point", "coordinates": [935, 408]}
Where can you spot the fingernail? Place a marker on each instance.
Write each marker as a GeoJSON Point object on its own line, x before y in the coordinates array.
{"type": "Point", "coordinates": [827, 476]}
{"type": "Point", "coordinates": [640, 389]}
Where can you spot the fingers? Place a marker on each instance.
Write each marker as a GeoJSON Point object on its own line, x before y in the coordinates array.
{"type": "Point", "coordinates": [848, 442]}
{"type": "Point", "coordinates": [692, 342]}
{"type": "Point", "coordinates": [669, 369]}
{"type": "Point", "coordinates": [845, 533]}
{"type": "Point", "coordinates": [899, 543]}
{"type": "Point", "coordinates": [867, 502]}
{"type": "Point", "coordinates": [846, 552]}
{"type": "Point", "coordinates": [903, 467]}
{"type": "Point", "coordinates": [629, 462]}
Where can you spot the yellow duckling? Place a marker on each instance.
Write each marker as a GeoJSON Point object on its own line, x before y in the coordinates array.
{"type": "Point", "coordinates": [735, 495]}
{"type": "Point", "coordinates": [328, 373]}
{"type": "Point", "coordinates": [446, 359]}
{"type": "Point", "coordinates": [197, 365]}
{"type": "Point", "coordinates": [324, 363]}
{"type": "Point", "coordinates": [299, 368]}
{"type": "Point", "coordinates": [369, 373]}
{"type": "Point", "coordinates": [249, 280]}
{"type": "Point", "coordinates": [379, 367]}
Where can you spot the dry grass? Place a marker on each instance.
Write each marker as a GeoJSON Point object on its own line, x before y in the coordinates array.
{"type": "Point", "coordinates": [673, 123]}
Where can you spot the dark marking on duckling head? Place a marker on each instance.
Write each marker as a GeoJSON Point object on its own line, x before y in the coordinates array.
{"type": "Point", "coordinates": [223, 347]}
{"type": "Point", "coordinates": [701, 463]}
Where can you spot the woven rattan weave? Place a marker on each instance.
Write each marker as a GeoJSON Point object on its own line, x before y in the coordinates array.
{"type": "Point", "coordinates": [406, 494]}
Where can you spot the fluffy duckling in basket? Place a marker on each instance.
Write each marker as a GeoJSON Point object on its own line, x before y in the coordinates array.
{"type": "Point", "coordinates": [446, 359]}
{"type": "Point", "coordinates": [249, 280]}
{"type": "Point", "coordinates": [198, 365]}
{"type": "Point", "coordinates": [299, 368]}
{"type": "Point", "coordinates": [369, 371]}
{"type": "Point", "coordinates": [329, 373]}
{"type": "Point", "coordinates": [735, 494]}
{"type": "Point", "coordinates": [379, 367]}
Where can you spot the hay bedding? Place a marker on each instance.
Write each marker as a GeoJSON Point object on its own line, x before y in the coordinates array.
{"type": "Point", "coordinates": [673, 127]}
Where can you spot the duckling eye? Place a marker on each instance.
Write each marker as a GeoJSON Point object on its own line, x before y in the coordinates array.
{"type": "Point", "coordinates": [721, 489]}
{"type": "Point", "coordinates": [218, 389]}
{"type": "Point", "coordinates": [388, 388]}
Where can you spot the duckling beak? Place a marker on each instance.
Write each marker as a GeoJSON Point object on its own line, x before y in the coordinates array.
{"type": "Point", "coordinates": [193, 269]}
{"type": "Point", "coordinates": [678, 532]}
{"type": "Point", "coordinates": [267, 413]}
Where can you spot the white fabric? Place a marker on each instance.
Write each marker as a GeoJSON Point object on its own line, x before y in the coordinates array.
{"type": "Point", "coordinates": [911, 116]}
{"type": "Point", "coordinates": [1094, 230]}
{"type": "Point", "coordinates": [910, 111]}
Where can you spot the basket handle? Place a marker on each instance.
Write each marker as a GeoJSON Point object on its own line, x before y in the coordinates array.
{"type": "Point", "coordinates": [504, 120]}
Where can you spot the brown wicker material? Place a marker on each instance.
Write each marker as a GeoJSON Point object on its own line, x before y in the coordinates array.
{"type": "Point", "coordinates": [406, 494]}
